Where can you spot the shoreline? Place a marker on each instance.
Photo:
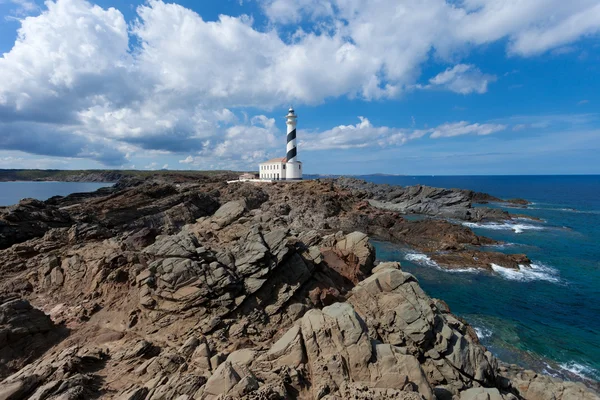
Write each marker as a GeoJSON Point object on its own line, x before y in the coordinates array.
{"type": "Point", "coordinates": [134, 216]}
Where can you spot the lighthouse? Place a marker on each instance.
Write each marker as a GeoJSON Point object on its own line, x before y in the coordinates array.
{"type": "Point", "coordinates": [286, 168]}
{"type": "Point", "coordinates": [293, 166]}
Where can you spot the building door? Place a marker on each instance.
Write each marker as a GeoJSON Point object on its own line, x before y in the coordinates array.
{"type": "Point", "coordinates": [277, 176]}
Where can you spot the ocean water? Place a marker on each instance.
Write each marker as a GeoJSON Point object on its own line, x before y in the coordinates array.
{"type": "Point", "coordinates": [546, 318]}
{"type": "Point", "coordinates": [12, 192]}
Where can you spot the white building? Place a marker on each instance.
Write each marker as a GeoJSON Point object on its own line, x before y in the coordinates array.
{"type": "Point", "coordinates": [285, 168]}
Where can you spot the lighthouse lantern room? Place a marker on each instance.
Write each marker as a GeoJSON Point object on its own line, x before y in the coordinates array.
{"type": "Point", "coordinates": [286, 168]}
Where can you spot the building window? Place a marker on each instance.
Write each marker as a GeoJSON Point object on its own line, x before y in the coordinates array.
{"type": "Point", "coordinates": [283, 166]}
{"type": "Point", "coordinates": [299, 166]}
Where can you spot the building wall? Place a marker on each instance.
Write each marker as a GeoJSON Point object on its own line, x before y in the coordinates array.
{"type": "Point", "coordinates": [273, 171]}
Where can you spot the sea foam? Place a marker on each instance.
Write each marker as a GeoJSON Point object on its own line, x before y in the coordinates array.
{"type": "Point", "coordinates": [527, 274]}
{"type": "Point", "coordinates": [516, 227]}
{"type": "Point", "coordinates": [423, 259]}
{"type": "Point", "coordinates": [483, 333]}
{"type": "Point", "coordinates": [582, 371]}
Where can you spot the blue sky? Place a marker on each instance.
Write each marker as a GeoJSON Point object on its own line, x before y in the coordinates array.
{"type": "Point", "coordinates": [403, 87]}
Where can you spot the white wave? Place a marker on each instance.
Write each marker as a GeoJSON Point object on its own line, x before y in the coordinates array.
{"type": "Point", "coordinates": [516, 227]}
{"type": "Point", "coordinates": [502, 245]}
{"type": "Point", "coordinates": [483, 333]}
{"type": "Point", "coordinates": [420, 258]}
{"type": "Point", "coordinates": [526, 274]}
{"type": "Point", "coordinates": [423, 259]}
{"type": "Point", "coordinates": [582, 371]}
{"type": "Point", "coordinates": [569, 210]}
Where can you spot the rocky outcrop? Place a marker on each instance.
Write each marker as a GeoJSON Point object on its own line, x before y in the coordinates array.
{"type": "Point", "coordinates": [29, 219]}
{"type": "Point", "coordinates": [209, 291]}
{"type": "Point", "coordinates": [397, 311]}
{"type": "Point", "coordinates": [25, 332]}
{"type": "Point", "coordinates": [425, 200]}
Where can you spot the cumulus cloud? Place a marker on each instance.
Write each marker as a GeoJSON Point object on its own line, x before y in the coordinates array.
{"type": "Point", "coordinates": [364, 134]}
{"type": "Point", "coordinates": [82, 82]}
{"type": "Point", "coordinates": [465, 128]}
{"type": "Point", "coordinates": [292, 11]}
{"type": "Point", "coordinates": [463, 79]}
{"type": "Point", "coordinates": [240, 146]}
{"type": "Point", "coordinates": [23, 7]}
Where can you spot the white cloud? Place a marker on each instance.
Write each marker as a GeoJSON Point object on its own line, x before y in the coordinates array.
{"type": "Point", "coordinates": [240, 146]}
{"type": "Point", "coordinates": [461, 78]}
{"type": "Point", "coordinates": [24, 7]}
{"type": "Point", "coordinates": [187, 160]}
{"type": "Point", "coordinates": [465, 128]}
{"type": "Point", "coordinates": [15, 161]}
{"type": "Point", "coordinates": [364, 134]}
{"type": "Point", "coordinates": [172, 81]}
{"type": "Point", "coordinates": [292, 11]}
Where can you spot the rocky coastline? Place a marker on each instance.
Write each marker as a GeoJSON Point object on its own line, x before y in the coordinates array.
{"type": "Point", "coordinates": [196, 289]}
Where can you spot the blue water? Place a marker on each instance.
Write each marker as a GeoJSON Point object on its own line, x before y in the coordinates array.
{"type": "Point", "coordinates": [547, 319]}
{"type": "Point", "coordinates": [12, 192]}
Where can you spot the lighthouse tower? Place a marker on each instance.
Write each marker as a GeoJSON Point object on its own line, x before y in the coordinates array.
{"type": "Point", "coordinates": [293, 167]}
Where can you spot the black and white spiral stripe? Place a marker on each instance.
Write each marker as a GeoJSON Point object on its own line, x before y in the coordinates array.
{"type": "Point", "coordinates": [291, 146]}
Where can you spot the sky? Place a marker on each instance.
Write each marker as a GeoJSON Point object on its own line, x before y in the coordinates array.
{"type": "Point", "coordinates": [415, 87]}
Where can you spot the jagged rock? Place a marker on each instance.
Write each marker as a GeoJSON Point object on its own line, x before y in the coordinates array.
{"type": "Point", "coordinates": [533, 386]}
{"type": "Point", "coordinates": [227, 306]}
{"type": "Point", "coordinates": [397, 310]}
{"type": "Point", "coordinates": [64, 375]}
{"type": "Point", "coordinates": [181, 245]}
{"type": "Point", "coordinates": [335, 345]}
{"type": "Point", "coordinates": [29, 219]}
{"type": "Point", "coordinates": [228, 213]}
{"type": "Point", "coordinates": [356, 251]}
{"type": "Point", "coordinates": [24, 333]}
{"type": "Point", "coordinates": [481, 394]}
{"type": "Point", "coordinates": [229, 378]}
{"type": "Point", "coordinates": [425, 200]}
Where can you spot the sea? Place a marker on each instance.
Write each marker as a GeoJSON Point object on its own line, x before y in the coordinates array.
{"type": "Point", "coordinates": [12, 192]}
{"type": "Point", "coordinates": [546, 318]}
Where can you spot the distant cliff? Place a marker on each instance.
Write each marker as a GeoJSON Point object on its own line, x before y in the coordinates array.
{"type": "Point", "coordinates": [10, 175]}
{"type": "Point", "coordinates": [7, 175]}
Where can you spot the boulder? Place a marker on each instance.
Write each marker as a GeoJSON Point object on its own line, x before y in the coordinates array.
{"type": "Point", "coordinates": [397, 310]}
{"type": "Point", "coordinates": [25, 332]}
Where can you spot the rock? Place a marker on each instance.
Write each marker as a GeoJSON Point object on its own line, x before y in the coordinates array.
{"type": "Point", "coordinates": [419, 199]}
{"type": "Point", "coordinates": [243, 357]}
{"type": "Point", "coordinates": [228, 213]}
{"type": "Point", "coordinates": [386, 265]}
{"type": "Point", "coordinates": [339, 351]}
{"type": "Point", "coordinates": [199, 289]}
{"type": "Point", "coordinates": [229, 377]}
{"type": "Point", "coordinates": [533, 386]}
{"type": "Point", "coordinates": [135, 393]}
{"type": "Point", "coordinates": [481, 394]}
{"type": "Point", "coordinates": [29, 219]}
{"type": "Point", "coordinates": [357, 252]}
{"type": "Point", "coordinates": [287, 351]}
{"type": "Point", "coordinates": [396, 309]}
{"type": "Point", "coordinates": [25, 332]}
{"type": "Point", "coordinates": [182, 245]}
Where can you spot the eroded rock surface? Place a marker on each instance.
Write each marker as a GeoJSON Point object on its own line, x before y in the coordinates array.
{"type": "Point", "coordinates": [209, 291]}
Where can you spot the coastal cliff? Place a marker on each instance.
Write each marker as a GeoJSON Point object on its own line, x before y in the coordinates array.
{"type": "Point", "coordinates": [203, 290]}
